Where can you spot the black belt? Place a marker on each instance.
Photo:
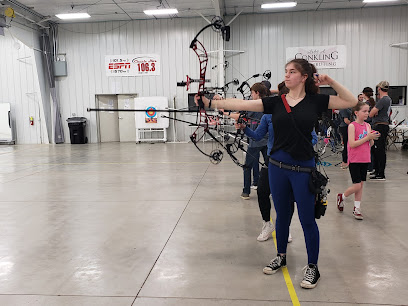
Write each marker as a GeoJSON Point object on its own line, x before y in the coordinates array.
{"type": "Point", "coordinates": [290, 167]}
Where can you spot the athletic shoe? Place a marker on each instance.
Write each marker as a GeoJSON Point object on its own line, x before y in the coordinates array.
{"type": "Point", "coordinates": [377, 178]}
{"type": "Point", "coordinates": [267, 229]}
{"type": "Point", "coordinates": [254, 187]}
{"type": "Point", "coordinates": [357, 213]}
{"type": "Point", "coordinates": [340, 201]}
{"type": "Point", "coordinates": [245, 196]}
{"type": "Point", "coordinates": [372, 172]}
{"type": "Point", "coordinates": [311, 276]}
{"type": "Point", "coordinates": [290, 239]}
{"type": "Point", "coordinates": [278, 262]}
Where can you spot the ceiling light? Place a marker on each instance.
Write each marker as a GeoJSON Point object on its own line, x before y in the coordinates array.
{"type": "Point", "coordinates": [161, 12]}
{"type": "Point", "coordinates": [278, 5]}
{"type": "Point", "coordinates": [73, 16]}
{"type": "Point", "coordinates": [375, 1]}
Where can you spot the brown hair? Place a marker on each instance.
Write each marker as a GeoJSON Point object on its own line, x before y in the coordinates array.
{"type": "Point", "coordinates": [283, 90]}
{"type": "Point", "coordinates": [356, 108]}
{"type": "Point", "coordinates": [305, 68]}
{"type": "Point", "coordinates": [260, 89]}
{"type": "Point", "coordinates": [369, 94]}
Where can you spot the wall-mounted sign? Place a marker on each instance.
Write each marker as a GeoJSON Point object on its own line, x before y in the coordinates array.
{"type": "Point", "coordinates": [132, 65]}
{"type": "Point", "coordinates": [321, 57]}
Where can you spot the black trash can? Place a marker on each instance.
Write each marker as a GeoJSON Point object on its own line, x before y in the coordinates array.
{"type": "Point", "coordinates": [77, 129]}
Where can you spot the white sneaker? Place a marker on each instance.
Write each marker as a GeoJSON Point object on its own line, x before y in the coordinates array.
{"type": "Point", "coordinates": [357, 213]}
{"type": "Point", "coordinates": [267, 229]}
{"type": "Point", "coordinates": [254, 187]}
{"type": "Point", "coordinates": [290, 239]}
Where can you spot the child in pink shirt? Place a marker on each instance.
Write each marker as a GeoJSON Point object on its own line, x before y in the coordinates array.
{"type": "Point", "coordinates": [360, 140]}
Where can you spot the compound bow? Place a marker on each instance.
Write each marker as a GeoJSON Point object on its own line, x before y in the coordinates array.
{"type": "Point", "coordinates": [204, 119]}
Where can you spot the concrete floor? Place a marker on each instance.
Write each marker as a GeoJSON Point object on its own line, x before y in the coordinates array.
{"type": "Point", "coordinates": [157, 224]}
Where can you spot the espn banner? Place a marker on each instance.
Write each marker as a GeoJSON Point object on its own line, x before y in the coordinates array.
{"type": "Point", "coordinates": [132, 65]}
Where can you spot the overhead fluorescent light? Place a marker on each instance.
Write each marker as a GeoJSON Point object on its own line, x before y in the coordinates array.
{"type": "Point", "coordinates": [161, 12]}
{"type": "Point", "coordinates": [278, 5]}
{"type": "Point", "coordinates": [376, 1]}
{"type": "Point", "coordinates": [73, 16]}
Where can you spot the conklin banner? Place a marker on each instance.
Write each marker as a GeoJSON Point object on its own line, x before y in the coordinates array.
{"type": "Point", "coordinates": [321, 57]}
{"type": "Point", "coordinates": [132, 65]}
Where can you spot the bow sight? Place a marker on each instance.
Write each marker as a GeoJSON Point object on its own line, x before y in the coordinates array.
{"type": "Point", "coordinates": [190, 80]}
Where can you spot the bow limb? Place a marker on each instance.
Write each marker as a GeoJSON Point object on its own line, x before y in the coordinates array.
{"type": "Point", "coordinates": [202, 55]}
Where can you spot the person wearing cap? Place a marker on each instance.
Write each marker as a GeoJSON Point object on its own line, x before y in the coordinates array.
{"type": "Point", "coordinates": [381, 114]}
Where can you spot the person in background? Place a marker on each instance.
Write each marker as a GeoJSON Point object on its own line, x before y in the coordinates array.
{"type": "Point", "coordinates": [360, 97]}
{"type": "Point", "coordinates": [254, 149]}
{"type": "Point", "coordinates": [345, 117]}
{"type": "Point", "coordinates": [272, 92]}
{"type": "Point", "coordinates": [368, 94]}
{"type": "Point", "coordinates": [380, 115]}
{"type": "Point", "coordinates": [368, 98]}
{"type": "Point", "coordinates": [361, 138]}
{"type": "Point", "coordinates": [258, 91]}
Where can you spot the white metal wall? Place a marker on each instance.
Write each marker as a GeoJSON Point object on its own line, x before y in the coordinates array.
{"type": "Point", "coordinates": [20, 86]}
{"type": "Point", "coordinates": [86, 45]}
{"type": "Point", "coordinates": [367, 34]}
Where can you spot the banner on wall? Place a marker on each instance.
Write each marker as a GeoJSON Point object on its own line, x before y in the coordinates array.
{"type": "Point", "coordinates": [132, 65]}
{"type": "Point", "coordinates": [321, 57]}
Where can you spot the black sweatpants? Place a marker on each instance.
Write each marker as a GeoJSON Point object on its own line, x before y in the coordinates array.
{"type": "Point", "coordinates": [344, 133]}
{"type": "Point", "coordinates": [380, 155]}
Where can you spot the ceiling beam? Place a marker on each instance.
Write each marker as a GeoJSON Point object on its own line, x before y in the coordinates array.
{"type": "Point", "coordinates": [219, 6]}
{"type": "Point", "coordinates": [15, 4]}
{"type": "Point", "coordinates": [27, 13]}
{"type": "Point", "coordinates": [205, 18]}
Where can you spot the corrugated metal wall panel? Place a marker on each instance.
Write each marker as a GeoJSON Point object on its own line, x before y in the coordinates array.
{"type": "Point", "coordinates": [19, 86]}
{"type": "Point", "coordinates": [86, 45]}
{"type": "Point", "coordinates": [367, 33]}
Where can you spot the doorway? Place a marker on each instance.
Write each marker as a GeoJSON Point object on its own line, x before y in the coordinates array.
{"type": "Point", "coordinates": [116, 126]}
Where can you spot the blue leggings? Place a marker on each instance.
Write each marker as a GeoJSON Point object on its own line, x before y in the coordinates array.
{"type": "Point", "coordinates": [282, 182]}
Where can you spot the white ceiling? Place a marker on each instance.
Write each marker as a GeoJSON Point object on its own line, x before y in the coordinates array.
{"type": "Point", "coordinates": [108, 10]}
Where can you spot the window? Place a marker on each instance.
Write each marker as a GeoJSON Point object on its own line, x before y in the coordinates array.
{"type": "Point", "coordinates": [398, 95]}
